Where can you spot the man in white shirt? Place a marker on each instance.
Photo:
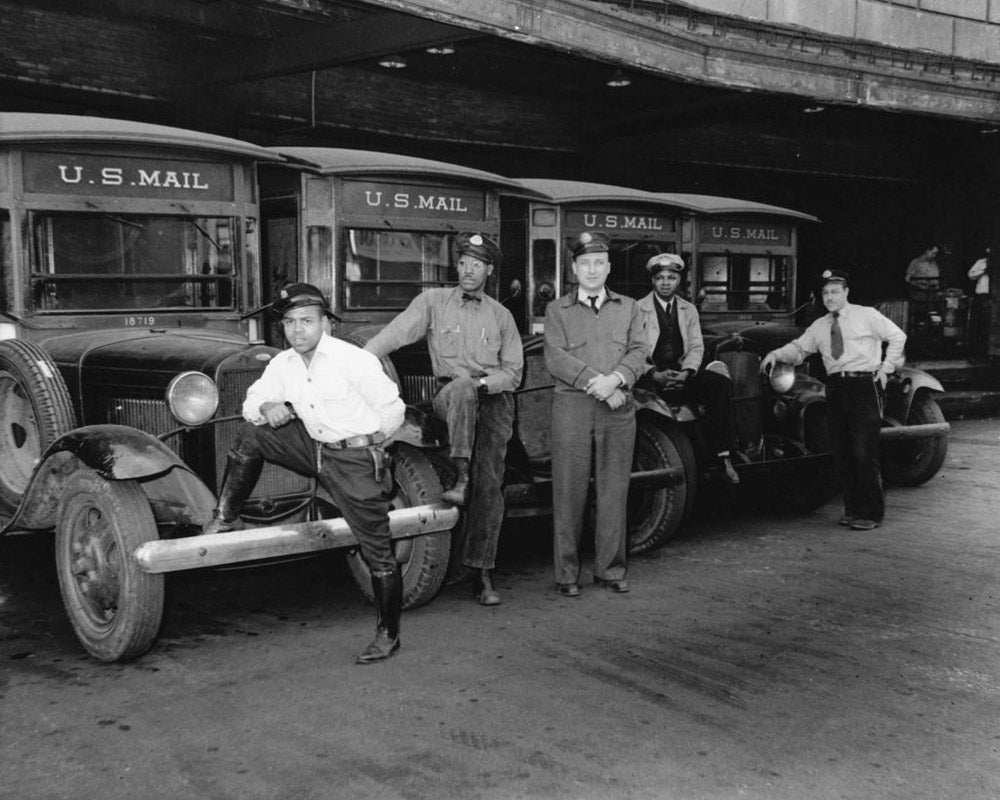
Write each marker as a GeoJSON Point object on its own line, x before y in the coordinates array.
{"type": "Point", "coordinates": [324, 408]}
{"type": "Point", "coordinates": [850, 340]}
{"type": "Point", "coordinates": [980, 316]}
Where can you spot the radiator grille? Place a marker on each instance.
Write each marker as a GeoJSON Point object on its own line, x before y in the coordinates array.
{"type": "Point", "coordinates": [417, 389]}
{"type": "Point", "coordinates": [147, 415]}
{"type": "Point", "coordinates": [275, 482]}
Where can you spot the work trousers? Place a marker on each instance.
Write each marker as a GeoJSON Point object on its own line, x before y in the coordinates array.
{"type": "Point", "coordinates": [348, 475]}
{"type": "Point", "coordinates": [586, 432]}
{"type": "Point", "coordinates": [492, 417]}
{"type": "Point", "coordinates": [854, 419]}
{"type": "Point", "coordinates": [980, 317]}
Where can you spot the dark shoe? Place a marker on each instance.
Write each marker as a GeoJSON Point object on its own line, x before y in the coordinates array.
{"type": "Point", "coordinates": [619, 586]}
{"type": "Point", "coordinates": [458, 494]}
{"type": "Point", "coordinates": [568, 589]}
{"type": "Point", "coordinates": [388, 591]}
{"type": "Point", "coordinates": [381, 647]}
{"type": "Point", "coordinates": [220, 525]}
{"type": "Point", "coordinates": [729, 473]}
{"type": "Point", "coordinates": [845, 521]}
{"type": "Point", "coordinates": [483, 590]}
{"type": "Point", "coordinates": [863, 524]}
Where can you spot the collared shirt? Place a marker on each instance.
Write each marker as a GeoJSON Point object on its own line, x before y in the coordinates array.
{"type": "Point", "coordinates": [583, 296]}
{"type": "Point", "coordinates": [580, 345]}
{"type": "Point", "coordinates": [666, 305]}
{"type": "Point", "coordinates": [465, 338]}
{"type": "Point", "coordinates": [343, 392]}
{"type": "Point", "coordinates": [864, 330]}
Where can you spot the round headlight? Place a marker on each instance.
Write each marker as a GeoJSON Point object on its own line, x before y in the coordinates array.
{"type": "Point", "coordinates": [192, 398]}
{"type": "Point", "coordinates": [782, 378]}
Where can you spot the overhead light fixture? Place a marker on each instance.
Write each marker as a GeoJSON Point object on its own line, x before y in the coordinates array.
{"type": "Point", "coordinates": [392, 62]}
{"type": "Point", "coordinates": [989, 131]}
{"type": "Point", "coordinates": [813, 109]}
{"type": "Point", "coordinates": [441, 50]}
{"type": "Point", "coordinates": [618, 80]}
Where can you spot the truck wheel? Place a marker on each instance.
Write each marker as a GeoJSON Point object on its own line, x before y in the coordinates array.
{"type": "Point", "coordinates": [804, 491]}
{"type": "Point", "coordinates": [424, 559]}
{"type": "Point", "coordinates": [655, 515]}
{"type": "Point", "coordinates": [915, 462]}
{"type": "Point", "coordinates": [114, 607]}
{"type": "Point", "coordinates": [35, 409]}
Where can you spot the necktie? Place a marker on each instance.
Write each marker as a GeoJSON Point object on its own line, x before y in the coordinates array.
{"type": "Point", "coordinates": [466, 297]}
{"type": "Point", "coordinates": [836, 337]}
{"type": "Point", "coordinates": [593, 302]}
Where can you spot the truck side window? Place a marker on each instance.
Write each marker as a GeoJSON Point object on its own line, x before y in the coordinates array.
{"type": "Point", "coordinates": [543, 275]}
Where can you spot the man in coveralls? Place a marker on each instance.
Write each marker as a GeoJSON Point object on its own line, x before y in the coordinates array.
{"type": "Point", "coordinates": [850, 339]}
{"type": "Point", "coordinates": [324, 408]}
{"type": "Point", "coordinates": [596, 349]}
{"type": "Point", "coordinates": [477, 358]}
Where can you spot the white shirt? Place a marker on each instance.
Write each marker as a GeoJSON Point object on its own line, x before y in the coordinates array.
{"type": "Point", "coordinates": [977, 272]}
{"type": "Point", "coordinates": [863, 329]}
{"type": "Point", "coordinates": [342, 393]}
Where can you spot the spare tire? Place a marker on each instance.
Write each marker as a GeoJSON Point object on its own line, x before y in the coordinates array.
{"type": "Point", "coordinates": [35, 410]}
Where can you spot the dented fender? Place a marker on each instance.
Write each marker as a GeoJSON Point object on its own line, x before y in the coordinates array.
{"type": "Point", "coordinates": [116, 453]}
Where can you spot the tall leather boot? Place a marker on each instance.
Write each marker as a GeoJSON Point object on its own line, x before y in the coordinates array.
{"type": "Point", "coordinates": [238, 482]}
{"type": "Point", "coordinates": [388, 590]}
{"type": "Point", "coordinates": [458, 494]}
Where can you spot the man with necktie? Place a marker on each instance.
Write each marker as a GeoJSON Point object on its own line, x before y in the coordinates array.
{"type": "Point", "coordinates": [477, 358]}
{"type": "Point", "coordinates": [850, 339]}
{"type": "Point", "coordinates": [673, 330]}
{"type": "Point", "coordinates": [595, 349]}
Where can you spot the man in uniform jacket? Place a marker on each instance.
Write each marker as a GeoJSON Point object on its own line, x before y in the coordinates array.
{"type": "Point", "coordinates": [477, 358]}
{"type": "Point", "coordinates": [860, 348]}
{"type": "Point", "coordinates": [673, 330]}
{"type": "Point", "coordinates": [595, 349]}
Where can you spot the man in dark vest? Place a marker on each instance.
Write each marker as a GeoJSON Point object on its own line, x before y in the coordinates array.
{"type": "Point", "coordinates": [674, 334]}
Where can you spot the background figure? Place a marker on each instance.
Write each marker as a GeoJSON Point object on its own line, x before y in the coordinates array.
{"type": "Point", "coordinates": [595, 349]}
{"type": "Point", "coordinates": [923, 274]}
{"type": "Point", "coordinates": [980, 314]}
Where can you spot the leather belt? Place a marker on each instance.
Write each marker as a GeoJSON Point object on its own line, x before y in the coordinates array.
{"type": "Point", "coordinates": [869, 375]}
{"type": "Point", "coordinates": [364, 440]}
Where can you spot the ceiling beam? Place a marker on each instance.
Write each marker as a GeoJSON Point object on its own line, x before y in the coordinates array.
{"type": "Point", "coordinates": [333, 45]}
{"type": "Point", "coordinates": [616, 36]}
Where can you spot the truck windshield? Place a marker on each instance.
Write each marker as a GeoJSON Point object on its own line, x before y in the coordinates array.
{"type": "Point", "coordinates": [106, 261]}
{"type": "Point", "coordinates": [742, 282]}
{"type": "Point", "coordinates": [387, 269]}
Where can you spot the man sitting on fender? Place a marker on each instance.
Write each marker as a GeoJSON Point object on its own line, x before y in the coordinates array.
{"type": "Point", "coordinates": [476, 356]}
{"type": "Point", "coordinates": [674, 332]}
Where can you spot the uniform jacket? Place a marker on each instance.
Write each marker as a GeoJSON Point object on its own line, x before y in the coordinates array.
{"type": "Point", "coordinates": [580, 345]}
{"type": "Point", "coordinates": [687, 321]}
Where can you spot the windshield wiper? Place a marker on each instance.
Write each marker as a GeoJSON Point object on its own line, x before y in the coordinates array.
{"type": "Point", "coordinates": [200, 229]}
{"type": "Point", "coordinates": [115, 218]}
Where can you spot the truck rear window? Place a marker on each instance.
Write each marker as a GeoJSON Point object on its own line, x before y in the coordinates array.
{"type": "Point", "coordinates": [109, 262]}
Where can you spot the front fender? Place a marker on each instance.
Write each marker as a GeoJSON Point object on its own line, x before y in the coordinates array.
{"type": "Point", "coordinates": [645, 400]}
{"type": "Point", "coordinates": [116, 453]}
{"type": "Point", "coordinates": [903, 387]}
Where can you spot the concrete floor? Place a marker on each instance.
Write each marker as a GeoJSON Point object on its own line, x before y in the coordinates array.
{"type": "Point", "coordinates": [761, 656]}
